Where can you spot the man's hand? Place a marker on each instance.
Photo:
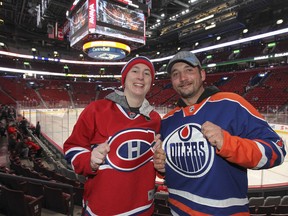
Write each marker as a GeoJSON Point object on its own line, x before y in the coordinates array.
{"type": "Point", "coordinates": [159, 156]}
{"type": "Point", "coordinates": [213, 133]}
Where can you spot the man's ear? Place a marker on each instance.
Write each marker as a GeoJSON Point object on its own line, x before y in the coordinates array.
{"type": "Point", "coordinates": [203, 74]}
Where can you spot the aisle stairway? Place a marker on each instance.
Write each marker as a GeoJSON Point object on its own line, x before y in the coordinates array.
{"type": "Point", "coordinates": [5, 162]}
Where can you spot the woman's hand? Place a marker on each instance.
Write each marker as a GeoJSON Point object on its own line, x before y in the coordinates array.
{"type": "Point", "coordinates": [98, 155]}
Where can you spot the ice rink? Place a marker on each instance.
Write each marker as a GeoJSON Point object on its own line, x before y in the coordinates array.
{"type": "Point", "coordinates": [58, 124]}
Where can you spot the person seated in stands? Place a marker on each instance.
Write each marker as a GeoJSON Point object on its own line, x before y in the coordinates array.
{"type": "Point", "coordinates": [13, 138]}
{"type": "Point", "coordinates": [2, 129]}
{"type": "Point", "coordinates": [11, 114]}
{"type": "Point", "coordinates": [12, 143]}
{"type": "Point", "coordinates": [23, 126]}
{"type": "Point", "coordinates": [11, 129]}
{"type": "Point", "coordinates": [3, 112]}
{"type": "Point", "coordinates": [33, 147]}
{"type": "Point", "coordinates": [22, 150]}
{"type": "Point", "coordinates": [16, 147]}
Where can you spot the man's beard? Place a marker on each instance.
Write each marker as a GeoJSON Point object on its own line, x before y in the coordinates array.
{"type": "Point", "coordinates": [187, 95]}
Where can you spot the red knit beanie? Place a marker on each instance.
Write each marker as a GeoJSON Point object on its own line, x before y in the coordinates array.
{"type": "Point", "coordinates": [132, 62]}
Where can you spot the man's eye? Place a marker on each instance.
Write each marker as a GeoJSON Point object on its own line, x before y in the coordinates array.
{"type": "Point", "coordinates": [174, 74]}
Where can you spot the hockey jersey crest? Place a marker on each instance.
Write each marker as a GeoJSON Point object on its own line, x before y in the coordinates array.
{"type": "Point", "coordinates": [130, 149]}
{"type": "Point", "coordinates": [193, 155]}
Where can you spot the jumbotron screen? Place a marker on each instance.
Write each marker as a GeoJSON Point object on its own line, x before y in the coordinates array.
{"type": "Point", "coordinates": [103, 17]}
{"type": "Point", "coordinates": [79, 24]}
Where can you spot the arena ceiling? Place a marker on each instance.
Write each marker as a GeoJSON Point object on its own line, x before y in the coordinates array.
{"type": "Point", "coordinates": [20, 19]}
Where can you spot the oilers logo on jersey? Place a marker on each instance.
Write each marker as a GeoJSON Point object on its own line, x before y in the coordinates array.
{"type": "Point", "coordinates": [188, 152]}
{"type": "Point", "coordinates": [130, 149]}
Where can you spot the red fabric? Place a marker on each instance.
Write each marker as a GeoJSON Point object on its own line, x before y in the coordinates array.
{"type": "Point", "coordinates": [32, 145]}
{"type": "Point", "coordinates": [162, 188]}
{"type": "Point", "coordinates": [111, 191]}
{"type": "Point", "coordinates": [11, 129]}
{"type": "Point", "coordinates": [132, 62]}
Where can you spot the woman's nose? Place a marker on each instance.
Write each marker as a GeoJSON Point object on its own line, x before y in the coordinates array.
{"type": "Point", "coordinates": [141, 75]}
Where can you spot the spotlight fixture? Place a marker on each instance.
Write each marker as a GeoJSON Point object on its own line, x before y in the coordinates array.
{"type": "Point", "coordinates": [106, 50]}
{"type": "Point", "coordinates": [280, 21]}
{"type": "Point", "coordinates": [245, 31]}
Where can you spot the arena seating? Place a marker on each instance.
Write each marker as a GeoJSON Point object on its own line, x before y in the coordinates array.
{"type": "Point", "coordinates": [267, 205]}
{"type": "Point", "coordinates": [18, 203]}
{"type": "Point", "coordinates": [55, 93]}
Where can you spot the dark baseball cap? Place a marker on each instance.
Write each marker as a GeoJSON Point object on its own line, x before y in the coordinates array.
{"type": "Point", "coordinates": [183, 56]}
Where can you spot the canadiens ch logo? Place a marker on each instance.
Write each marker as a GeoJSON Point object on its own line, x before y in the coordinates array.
{"type": "Point", "coordinates": [188, 152]}
{"type": "Point", "coordinates": [130, 149]}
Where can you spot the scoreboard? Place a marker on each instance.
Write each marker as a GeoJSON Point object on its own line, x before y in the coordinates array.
{"type": "Point", "coordinates": [106, 29]}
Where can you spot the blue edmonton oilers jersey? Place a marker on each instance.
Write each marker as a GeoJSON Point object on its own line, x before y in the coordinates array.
{"type": "Point", "coordinates": [203, 180]}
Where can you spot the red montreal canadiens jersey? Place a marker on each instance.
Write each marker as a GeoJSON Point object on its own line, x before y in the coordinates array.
{"type": "Point", "coordinates": [124, 185]}
{"type": "Point", "coordinates": [204, 181]}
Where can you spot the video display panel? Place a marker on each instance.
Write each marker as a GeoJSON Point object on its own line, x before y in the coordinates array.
{"type": "Point", "coordinates": [120, 22]}
{"type": "Point", "coordinates": [79, 24]}
{"type": "Point", "coordinates": [120, 16]}
{"type": "Point", "coordinates": [106, 18]}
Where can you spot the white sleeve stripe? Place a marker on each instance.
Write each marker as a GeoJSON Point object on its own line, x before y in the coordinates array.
{"type": "Point", "coordinates": [264, 159]}
{"type": "Point", "coordinates": [223, 203]}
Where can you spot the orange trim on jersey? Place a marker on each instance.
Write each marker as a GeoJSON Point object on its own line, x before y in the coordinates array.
{"type": "Point", "coordinates": [185, 208]}
{"type": "Point", "coordinates": [192, 212]}
{"type": "Point", "coordinates": [241, 214]}
{"type": "Point", "coordinates": [217, 97]}
{"type": "Point", "coordinates": [171, 112]}
{"type": "Point", "coordinates": [274, 155]}
{"type": "Point", "coordinates": [244, 150]}
{"type": "Point", "coordinates": [237, 98]}
{"type": "Point", "coordinates": [188, 110]}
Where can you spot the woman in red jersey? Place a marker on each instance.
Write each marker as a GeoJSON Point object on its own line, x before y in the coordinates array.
{"type": "Point", "coordinates": [111, 144]}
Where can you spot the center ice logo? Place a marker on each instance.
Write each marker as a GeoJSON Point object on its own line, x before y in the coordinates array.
{"type": "Point", "coordinates": [130, 149]}
{"type": "Point", "coordinates": [188, 152]}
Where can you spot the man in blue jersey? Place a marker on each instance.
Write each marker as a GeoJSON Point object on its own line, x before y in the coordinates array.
{"type": "Point", "coordinates": [209, 141]}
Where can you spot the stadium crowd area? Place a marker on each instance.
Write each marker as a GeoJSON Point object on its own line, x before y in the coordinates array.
{"type": "Point", "coordinates": [33, 172]}
{"type": "Point", "coordinates": [263, 83]}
